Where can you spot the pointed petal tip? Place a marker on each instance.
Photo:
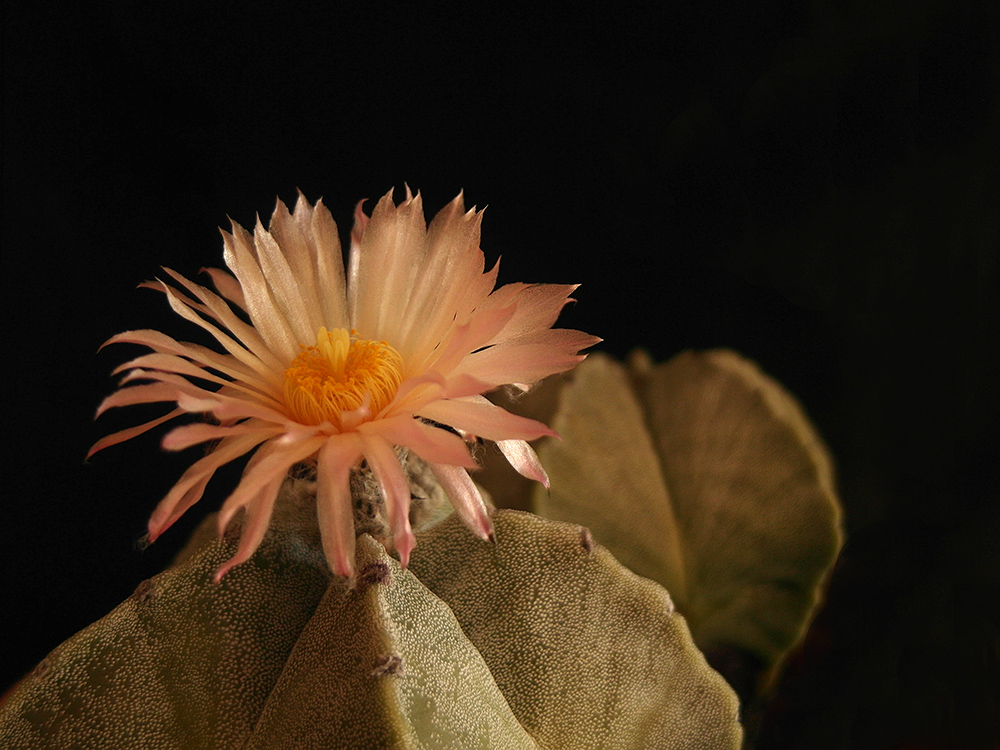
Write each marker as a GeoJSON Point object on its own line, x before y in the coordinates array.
{"type": "Point", "coordinates": [143, 542]}
{"type": "Point", "coordinates": [343, 567]}
{"type": "Point", "coordinates": [153, 532]}
{"type": "Point", "coordinates": [485, 530]}
{"type": "Point", "coordinates": [405, 542]}
{"type": "Point", "coordinates": [221, 572]}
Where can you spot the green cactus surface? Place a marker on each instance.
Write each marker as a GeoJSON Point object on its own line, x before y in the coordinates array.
{"type": "Point", "coordinates": [587, 654]}
{"type": "Point", "coordinates": [705, 475]}
{"type": "Point", "coordinates": [541, 640]}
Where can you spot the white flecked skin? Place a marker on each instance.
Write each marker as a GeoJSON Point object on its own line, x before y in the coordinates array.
{"type": "Point", "coordinates": [540, 641]}
{"type": "Point", "coordinates": [704, 474]}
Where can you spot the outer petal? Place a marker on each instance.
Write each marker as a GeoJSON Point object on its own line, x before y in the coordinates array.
{"type": "Point", "coordinates": [218, 308]}
{"type": "Point", "coordinates": [191, 434]}
{"type": "Point", "coordinates": [266, 317]}
{"type": "Point", "coordinates": [271, 461]}
{"type": "Point", "coordinates": [130, 432]}
{"type": "Point", "coordinates": [227, 285]}
{"type": "Point", "coordinates": [324, 244]}
{"type": "Point", "coordinates": [192, 483]}
{"type": "Point", "coordinates": [224, 363]}
{"type": "Point", "coordinates": [232, 346]}
{"type": "Point", "coordinates": [223, 404]}
{"type": "Point", "coordinates": [526, 363]}
{"type": "Point", "coordinates": [181, 366]}
{"type": "Point", "coordinates": [432, 444]}
{"type": "Point", "coordinates": [453, 254]}
{"type": "Point", "coordinates": [477, 416]}
{"type": "Point", "coordinates": [258, 517]}
{"type": "Point", "coordinates": [396, 491]}
{"type": "Point", "coordinates": [138, 394]}
{"type": "Point", "coordinates": [390, 254]}
{"type": "Point", "coordinates": [466, 498]}
{"type": "Point", "coordinates": [523, 458]}
{"type": "Point", "coordinates": [538, 307]}
{"type": "Point", "coordinates": [333, 501]}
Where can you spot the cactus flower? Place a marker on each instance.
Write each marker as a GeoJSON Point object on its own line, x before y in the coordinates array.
{"type": "Point", "coordinates": [337, 368]}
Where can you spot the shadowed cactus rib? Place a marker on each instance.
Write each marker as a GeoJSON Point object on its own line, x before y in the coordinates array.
{"type": "Point", "coordinates": [542, 640]}
{"type": "Point", "coordinates": [704, 474]}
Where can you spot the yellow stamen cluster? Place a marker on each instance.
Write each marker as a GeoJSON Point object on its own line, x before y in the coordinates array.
{"type": "Point", "coordinates": [337, 374]}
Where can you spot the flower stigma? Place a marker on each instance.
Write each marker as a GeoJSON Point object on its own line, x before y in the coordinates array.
{"type": "Point", "coordinates": [338, 374]}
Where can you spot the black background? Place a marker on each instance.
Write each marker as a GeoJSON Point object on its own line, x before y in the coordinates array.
{"type": "Point", "coordinates": [813, 184]}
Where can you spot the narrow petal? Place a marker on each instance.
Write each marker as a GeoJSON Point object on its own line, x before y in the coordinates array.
{"type": "Point", "coordinates": [273, 460]}
{"type": "Point", "coordinates": [240, 256]}
{"type": "Point", "coordinates": [432, 444]}
{"type": "Point", "coordinates": [223, 403]}
{"type": "Point", "coordinates": [227, 285]}
{"type": "Point", "coordinates": [466, 498]}
{"type": "Point", "coordinates": [258, 517]}
{"type": "Point", "coordinates": [296, 302]}
{"type": "Point", "coordinates": [524, 363]}
{"type": "Point", "coordinates": [525, 461]}
{"type": "Point", "coordinates": [333, 501]}
{"type": "Point", "coordinates": [318, 226]}
{"type": "Point", "coordinates": [232, 346]}
{"type": "Point", "coordinates": [391, 250]}
{"type": "Point", "coordinates": [181, 366]}
{"type": "Point", "coordinates": [477, 416]}
{"type": "Point", "coordinates": [396, 491]}
{"type": "Point", "coordinates": [138, 394]}
{"type": "Point", "coordinates": [191, 434]}
{"type": "Point", "coordinates": [563, 339]}
{"type": "Point", "coordinates": [130, 432]}
{"type": "Point", "coordinates": [178, 499]}
{"type": "Point", "coordinates": [220, 310]}
{"type": "Point", "coordinates": [538, 307]}
{"type": "Point", "coordinates": [224, 363]}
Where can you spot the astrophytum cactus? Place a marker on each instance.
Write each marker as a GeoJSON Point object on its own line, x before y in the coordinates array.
{"type": "Point", "coordinates": [539, 640]}
{"type": "Point", "coordinates": [704, 474]}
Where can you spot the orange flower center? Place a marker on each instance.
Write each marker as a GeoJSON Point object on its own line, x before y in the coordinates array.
{"type": "Point", "coordinates": [341, 373]}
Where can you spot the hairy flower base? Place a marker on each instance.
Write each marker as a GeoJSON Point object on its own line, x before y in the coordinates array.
{"type": "Point", "coordinates": [341, 374]}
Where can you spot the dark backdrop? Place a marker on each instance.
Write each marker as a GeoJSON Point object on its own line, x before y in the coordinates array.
{"type": "Point", "coordinates": [814, 184]}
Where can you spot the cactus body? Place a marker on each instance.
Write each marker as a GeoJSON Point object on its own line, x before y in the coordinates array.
{"type": "Point", "coordinates": [705, 475]}
{"type": "Point", "coordinates": [542, 640]}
